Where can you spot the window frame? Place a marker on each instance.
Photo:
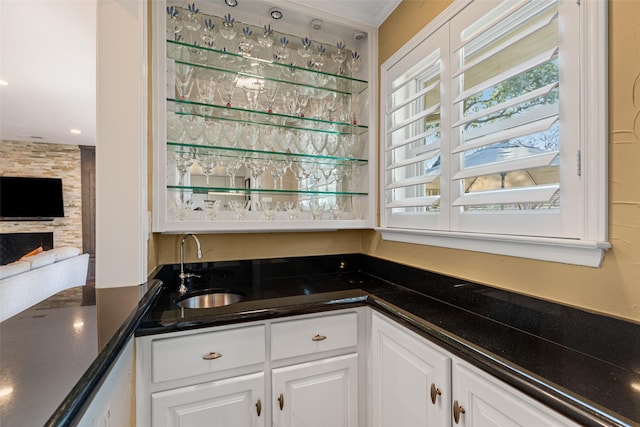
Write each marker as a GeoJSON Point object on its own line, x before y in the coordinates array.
{"type": "Point", "coordinates": [591, 243]}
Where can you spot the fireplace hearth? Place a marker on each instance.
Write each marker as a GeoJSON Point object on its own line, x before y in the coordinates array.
{"type": "Point", "coordinates": [15, 245]}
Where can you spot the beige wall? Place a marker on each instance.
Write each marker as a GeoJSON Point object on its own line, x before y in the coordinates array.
{"type": "Point", "coordinates": [36, 159]}
{"type": "Point", "coordinates": [613, 289]}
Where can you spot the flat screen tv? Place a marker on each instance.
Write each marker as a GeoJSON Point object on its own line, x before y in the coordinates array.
{"type": "Point", "coordinates": [23, 198]}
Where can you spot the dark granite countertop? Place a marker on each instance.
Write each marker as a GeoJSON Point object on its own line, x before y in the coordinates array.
{"type": "Point", "coordinates": [583, 365]}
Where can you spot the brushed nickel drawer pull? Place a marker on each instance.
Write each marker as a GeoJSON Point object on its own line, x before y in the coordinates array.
{"type": "Point", "coordinates": [319, 338]}
{"type": "Point", "coordinates": [259, 407]}
{"type": "Point", "coordinates": [281, 401]}
{"type": "Point", "coordinates": [458, 409]}
{"type": "Point", "coordinates": [435, 392]}
{"type": "Point", "coordinates": [212, 356]}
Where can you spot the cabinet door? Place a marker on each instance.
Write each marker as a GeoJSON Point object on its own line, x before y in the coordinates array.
{"type": "Point", "coordinates": [488, 402]}
{"type": "Point", "coordinates": [233, 402]}
{"type": "Point", "coordinates": [405, 367]}
{"type": "Point", "coordinates": [317, 394]}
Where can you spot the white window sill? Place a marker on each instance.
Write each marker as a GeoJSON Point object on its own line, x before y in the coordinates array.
{"type": "Point", "coordinates": [578, 252]}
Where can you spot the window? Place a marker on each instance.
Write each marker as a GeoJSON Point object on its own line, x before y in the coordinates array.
{"type": "Point", "coordinates": [487, 140]}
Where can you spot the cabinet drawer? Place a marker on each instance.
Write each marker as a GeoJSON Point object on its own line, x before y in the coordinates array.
{"type": "Point", "coordinates": [311, 335]}
{"type": "Point", "coordinates": [207, 352]}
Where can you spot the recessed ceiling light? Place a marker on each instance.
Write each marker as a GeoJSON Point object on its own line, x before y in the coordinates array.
{"type": "Point", "coordinates": [231, 3]}
{"type": "Point", "coordinates": [275, 13]}
{"type": "Point", "coordinates": [75, 131]}
{"type": "Point", "coordinates": [3, 83]}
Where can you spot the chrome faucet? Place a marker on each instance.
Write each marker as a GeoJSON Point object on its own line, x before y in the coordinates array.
{"type": "Point", "coordinates": [182, 289]}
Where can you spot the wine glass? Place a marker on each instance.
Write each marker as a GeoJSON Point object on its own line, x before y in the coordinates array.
{"type": "Point", "coordinates": [302, 95]}
{"type": "Point", "coordinates": [355, 62]}
{"type": "Point", "coordinates": [319, 141]}
{"type": "Point", "coordinates": [293, 209]}
{"type": "Point", "coordinates": [327, 169]}
{"type": "Point", "coordinates": [245, 44]}
{"type": "Point", "coordinates": [227, 86]}
{"type": "Point", "coordinates": [252, 95]}
{"type": "Point", "coordinates": [257, 165]}
{"type": "Point", "coordinates": [241, 208]}
{"type": "Point", "coordinates": [174, 21]}
{"type": "Point", "coordinates": [266, 39]}
{"type": "Point", "coordinates": [227, 30]}
{"type": "Point", "coordinates": [250, 135]}
{"type": "Point", "coordinates": [192, 18]}
{"type": "Point", "coordinates": [337, 209]}
{"type": "Point", "coordinates": [193, 126]}
{"type": "Point", "coordinates": [208, 35]}
{"type": "Point", "coordinates": [232, 165]}
{"type": "Point", "coordinates": [317, 208]}
{"type": "Point", "coordinates": [305, 47]}
{"type": "Point", "coordinates": [270, 90]}
{"type": "Point", "coordinates": [212, 129]}
{"type": "Point", "coordinates": [207, 161]}
{"type": "Point", "coordinates": [211, 208]}
{"type": "Point", "coordinates": [279, 166]}
{"type": "Point", "coordinates": [175, 129]}
{"type": "Point", "coordinates": [282, 51]}
{"type": "Point", "coordinates": [184, 159]}
{"type": "Point", "coordinates": [184, 83]}
{"type": "Point", "coordinates": [331, 105]}
{"type": "Point", "coordinates": [268, 136]}
{"type": "Point", "coordinates": [269, 208]}
{"type": "Point", "coordinates": [318, 57]}
{"type": "Point", "coordinates": [339, 56]}
{"type": "Point", "coordinates": [206, 85]}
{"type": "Point", "coordinates": [231, 132]}
{"type": "Point", "coordinates": [317, 104]}
{"type": "Point", "coordinates": [290, 102]}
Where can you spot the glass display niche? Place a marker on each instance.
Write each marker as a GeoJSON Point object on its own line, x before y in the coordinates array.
{"type": "Point", "coordinates": [257, 134]}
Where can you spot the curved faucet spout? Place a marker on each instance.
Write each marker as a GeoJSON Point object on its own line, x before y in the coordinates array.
{"type": "Point", "coordinates": [182, 288]}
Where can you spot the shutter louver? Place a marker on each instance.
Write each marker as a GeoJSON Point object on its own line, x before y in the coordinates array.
{"type": "Point", "coordinates": [508, 104]}
{"type": "Point", "coordinates": [412, 134]}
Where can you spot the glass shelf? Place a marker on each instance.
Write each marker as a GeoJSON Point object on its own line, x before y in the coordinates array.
{"type": "Point", "coordinates": [243, 115]}
{"type": "Point", "coordinates": [260, 68]}
{"type": "Point", "coordinates": [248, 191]}
{"type": "Point", "coordinates": [249, 153]}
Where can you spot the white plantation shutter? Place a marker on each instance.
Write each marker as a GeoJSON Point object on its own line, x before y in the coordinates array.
{"type": "Point", "coordinates": [412, 131]}
{"type": "Point", "coordinates": [485, 121]}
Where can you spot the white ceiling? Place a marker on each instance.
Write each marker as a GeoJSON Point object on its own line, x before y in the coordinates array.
{"type": "Point", "coordinates": [47, 55]}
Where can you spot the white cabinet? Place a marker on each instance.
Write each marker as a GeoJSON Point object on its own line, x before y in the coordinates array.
{"type": "Point", "coordinates": [488, 402]}
{"type": "Point", "coordinates": [232, 402]}
{"type": "Point", "coordinates": [416, 383]}
{"type": "Point", "coordinates": [236, 374]}
{"type": "Point", "coordinates": [189, 378]}
{"type": "Point", "coordinates": [405, 368]}
{"type": "Point", "coordinates": [317, 394]}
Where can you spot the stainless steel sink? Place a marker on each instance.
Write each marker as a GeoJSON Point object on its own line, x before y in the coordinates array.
{"type": "Point", "coordinates": [209, 299]}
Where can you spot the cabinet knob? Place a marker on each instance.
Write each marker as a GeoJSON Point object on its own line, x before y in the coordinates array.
{"type": "Point", "coordinates": [212, 356]}
{"type": "Point", "coordinates": [435, 392]}
{"type": "Point", "coordinates": [319, 338]}
{"type": "Point", "coordinates": [259, 407]}
{"type": "Point", "coordinates": [281, 401]}
{"type": "Point", "coordinates": [458, 410]}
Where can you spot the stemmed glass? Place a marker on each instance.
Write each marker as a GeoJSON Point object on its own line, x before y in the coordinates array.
{"type": "Point", "coordinates": [319, 141]}
{"type": "Point", "coordinates": [268, 135]}
{"type": "Point", "coordinates": [211, 208]}
{"type": "Point", "coordinates": [331, 105]}
{"type": "Point", "coordinates": [270, 90]}
{"type": "Point", "coordinates": [184, 159]}
{"type": "Point", "coordinates": [231, 132]}
{"type": "Point", "coordinates": [355, 62]}
{"type": "Point", "coordinates": [303, 99]}
{"type": "Point", "coordinates": [208, 35]}
{"type": "Point", "coordinates": [282, 51]}
{"type": "Point", "coordinates": [250, 134]}
{"type": "Point", "coordinates": [226, 89]}
{"type": "Point", "coordinates": [174, 21]}
{"type": "Point", "coordinates": [232, 165]}
{"type": "Point", "coordinates": [227, 29]}
{"type": "Point", "coordinates": [257, 165]}
{"type": "Point", "coordinates": [193, 126]}
{"type": "Point", "coordinates": [252, 95]}
{"type": "Point", "coordinates": [269, 209]}
{"type": "Point", "coordinates": [339, 56]}
{"type": "Point", "coordinates": [279, 166]}
{"type": "Point", "coordinates": [183, 76]}
{"type": "Point", "coordinates": [175, 129]}
{"type": "Point", "coordinates": [211, 131]}
{"type": "Point", "coordinates": [207, 161]}
{"type": "Point", "coordinates": [317, 208]}
{"type": "Point", "coordinates": [293, 209]}
{"type": "Point", "coordinates": [266, 39]}
{"type": "Point", "coordinates": [317, 104]}
{"type": "Point", "coordinates": [290, 102]}
{"type": "Point", "coordinates": [327, 170]}
{"type": "Point", "coordinates": [241, 207]}
{"type": "Point", "coordinates": [305, 47]}
{"type": "Point", "coordinates": [206, 85]}
{"type": "Point", "coordinates": [192, 18]}
{"type": "Point", "coordinates": [337, 209]}
{"type": "Point", "coordinates": [318, 57]}
{"type": "Point", "coordinates": [245, 44]}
